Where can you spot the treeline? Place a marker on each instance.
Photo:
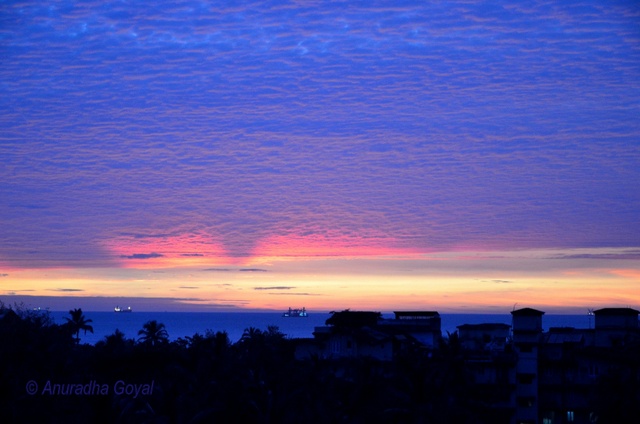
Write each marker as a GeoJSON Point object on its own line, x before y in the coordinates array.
{"type": "Point", "coordinates": [205, 378]}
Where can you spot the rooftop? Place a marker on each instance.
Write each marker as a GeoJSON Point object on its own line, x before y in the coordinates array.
{"type": "Point", "coordinates": [527, 312]}
{"type": "Point", "coordinates": [616, 311]}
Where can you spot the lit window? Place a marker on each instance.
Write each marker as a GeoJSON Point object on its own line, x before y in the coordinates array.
{"type": "Point", "coordinates": [570, 416]}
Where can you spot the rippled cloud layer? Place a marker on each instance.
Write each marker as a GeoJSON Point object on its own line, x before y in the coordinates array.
{"type": "Point", "coordinates": [140, 132]}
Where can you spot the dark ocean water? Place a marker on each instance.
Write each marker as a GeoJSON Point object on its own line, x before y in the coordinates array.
{"type": "Point", "coordinates": [182, 324]}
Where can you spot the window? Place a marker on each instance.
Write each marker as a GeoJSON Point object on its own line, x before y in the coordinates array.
{"type": "Point", "coordinates": [570, 416]}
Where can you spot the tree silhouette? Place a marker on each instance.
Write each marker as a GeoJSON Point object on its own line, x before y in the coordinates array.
{"type": "Point", "coordinates": [116, 338]}
{"type": "Point", "coordinates": [251, 334]}
{"type": "Point", "coordinates": [116, 342]}
{"type": "Point", "coordinates": [274, 334]}
{"type": "Point", "coordinates": [78, 322]}
{"type": "Point", "coordinates": [153, 333]}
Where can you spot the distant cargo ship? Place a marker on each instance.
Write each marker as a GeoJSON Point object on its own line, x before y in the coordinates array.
{"type": "Point", "coordinates": [119, 309]}
{"type": "Point", "coordinates": [296, 313]}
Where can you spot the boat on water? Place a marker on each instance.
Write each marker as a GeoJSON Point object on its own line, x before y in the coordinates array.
{"type": "Point", "coordinates": [296, 313]}
{"type": "Point", "coordinates": [119, 309]}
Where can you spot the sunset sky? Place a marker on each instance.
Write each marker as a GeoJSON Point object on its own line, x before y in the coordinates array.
{"type": "Point", "coordinates": [379, 155]}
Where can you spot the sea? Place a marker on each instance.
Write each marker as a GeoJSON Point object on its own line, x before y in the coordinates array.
{"type": "Point", "coordinates": [186, 324]}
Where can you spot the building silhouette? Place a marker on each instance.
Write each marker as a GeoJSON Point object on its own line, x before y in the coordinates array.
{"type": "Point", "coordinates": [518, 374]}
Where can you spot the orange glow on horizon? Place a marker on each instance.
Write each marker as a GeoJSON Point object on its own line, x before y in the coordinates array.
{"type": "Point", "coordinates": [633, 274]}
{"type": "Point", "coordinates": [442, 281]}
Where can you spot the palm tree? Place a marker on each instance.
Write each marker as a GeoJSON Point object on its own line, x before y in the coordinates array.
{"type": "Point", "coordinates": [153, 333]}
{"type": "Point", "coordinates": [78, 322]}
{"type": "Point", "coordinates": [251, 333]}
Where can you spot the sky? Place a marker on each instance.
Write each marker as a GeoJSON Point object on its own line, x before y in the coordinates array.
{"type": "Point", "coordinates": [374, 155]}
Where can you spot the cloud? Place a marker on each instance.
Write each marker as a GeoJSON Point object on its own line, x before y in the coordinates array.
{"type": "Point", "coordinates": [15, 292]}
{"type": "Point", "coordinates": [423, 127]}
{"type": "Point", "coordinates": [234, 269]}
{"type": "Point", "coordinates": [147, 236]}
{"type": "Point", "coordinates": [142, 256]}
{"type": "Point", "coordinates": [4, 275]}
{"type": "Point", "coordinates": [192, 254]}
{"type": "Point", "coordinates": [67, 290]}
{"type": "Point", "coordinates": [190, 299]}
{"type": "Point", "coordinates": [502, 281]}
{"type": "Point", "coordinates": [188, 287]}
{"type": "Point", "coordinates": [634, 256]}
{"type": "Point", "coordinates": [274, 288]}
